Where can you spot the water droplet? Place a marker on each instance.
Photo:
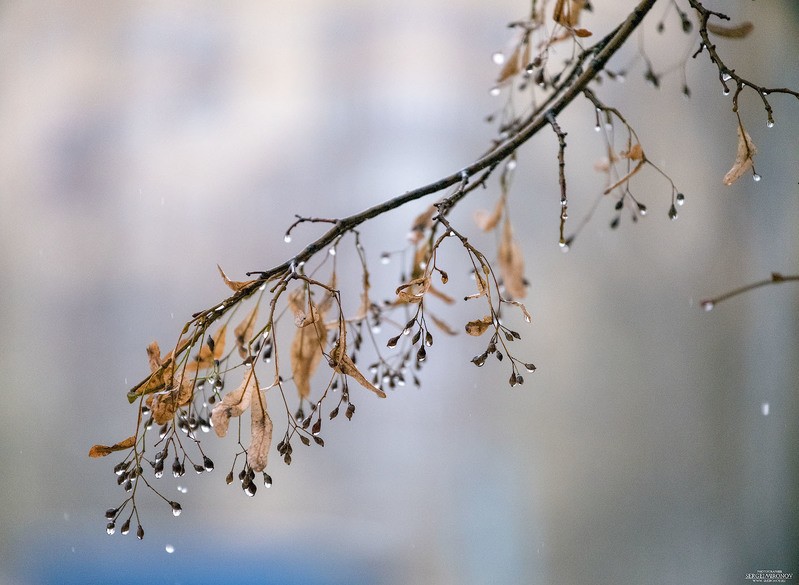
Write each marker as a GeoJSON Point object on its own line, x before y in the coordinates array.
{"type": "Point", "coordinates": [680, 199]}
{"type": "Point", "coordinates": [287, 238]}
{"type": "Point", "coordinates": [385, 258]}
{"type": "Point", "coordinates": [169, 549]}
{"type": "Point", "coordinates": [267, 480]}
{"type": "Point", "coordinates": [726, 91]}
{"type": "Point", "coordinates": [672, 213]}
{"type": "Point", "coordinates": [597, 128]}
{"type": "Point", "coordinates": [511, 164]}
{"type": "Point", "coordinates": [756, 177]}
{"type": "Point", "coordinates": [182, 489]}
{"type": "Point", "coordinates": [726, 76]}
{"type": "Point", "coordinates": [563, 244]}
{"type": "Point", "coordinates": [110, 528]}
{"type": "Point", "coordinates": [707, 306]}
{"type": "Point", "coordinates": [494, 91]}
{"type": "Point", "coordinates": [139, 532]}
{"type": "Point", "coordinates": [529, 367]}
{"type": "Point", "coordinates": [125, 527]}
{"type": "Point", "coordinates": [176, 509]}
{"type": "Point", "coordinates": [376, 329]}
{"type": "Point", "coordinates": [498, 58]}
{"type": "Point", "coordinates": [770, 124]}
{"type": "Point", "coordinates": [332, 251]}
{"type": "Point", "coordinates": [764, 408]}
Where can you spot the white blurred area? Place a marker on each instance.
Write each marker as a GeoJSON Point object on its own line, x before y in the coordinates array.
{"type": "Point", "coordinates": [142, 143]}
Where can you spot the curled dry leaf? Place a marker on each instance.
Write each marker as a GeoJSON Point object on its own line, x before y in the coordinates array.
{"type": "Point", "coordinates": [209, 351]}
{"type": "Point", "coordinates": [744, 158]}
{"type": "Point", "coordinates": [737, 31]}
{"type": "Point", "coordinates": [479, 326]}
{"type": "Point", "coordinates": [626, 177]}
{"type": "Point", "coordinates": [103, 450]}
{"type": "Point", "coordinates": [243, 332]}
{"type": "Point", "coordinates": [414, 290]}
{"type": "Point", "coordinates": [233, 404]}
{"type": "Point", "coordinates": [306, 353]}
{"type": "Point", "coordinates": [511, 263]}
{"type": "Point", "coordinates": [260, 433]}
{"type": "Point", "coordinates": [179, 393]}
{"type": "Point", "coordinates": [232, 284]}
{"type": "Point", "coordinates": [635, 152]}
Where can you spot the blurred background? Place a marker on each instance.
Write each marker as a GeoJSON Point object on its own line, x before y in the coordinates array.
{"type": "Point", "coordinates": [144, 142]}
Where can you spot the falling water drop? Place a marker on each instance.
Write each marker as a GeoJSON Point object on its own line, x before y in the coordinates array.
{"type": "Point", "coordinates": [764, 408]}
{"type": "Point", "coordinates": [169, 549]}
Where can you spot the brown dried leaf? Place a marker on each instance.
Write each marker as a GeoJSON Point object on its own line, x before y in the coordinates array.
{"type": "Point", "coordinates": [422, 223]}
{"type": "Point", "coordinates": [737, 31]}
{"type": "Point", "coordinates": [165, 404]}
{"type": "Point", "coordinates": [626, 177]}
{"type": "Point", "coordinates": [103, 450]}
{"type": "Point", "coordinates": [511, 67]}
{"type": "Point", "coordinates": [414, 290]}
{"type": "Point", "coordinates": [486, 220]}
{"type": "Point", "coordinates": [205, 358]}
{"type": "Point", "coordinates": [635, 152]}
{"type": "Point", "coordinates": [567, 12]}
{"type": "Point", "coordinates": [154, 356]}
{"type": "Point", "coordinates": [441, 295]}
{"type": "Point", "coordinates": [344, 365]}
{"type": "Point", "coordinates": [482, 288]}
{"type": "Point", "coordinates": [233, 404]}
{"type": "Point", "coordinates": [234, 285]}
{"type": "Point", "coordinates": [582, 32]}
{"type": "Point", "coordinates": [243, 332]}
{"type": "Point", "coordinates": [744, 159]}
{"type": "Point", "coordinates": [511, 263]}
{"type": "Point", "coordinates": [479, 326]}
{"type": "Point", "coordinates": [260, 434]}
{"type": "Point", "coordinates": [306, 353]}
{"type": "Point", "coordinates": [443, 325]}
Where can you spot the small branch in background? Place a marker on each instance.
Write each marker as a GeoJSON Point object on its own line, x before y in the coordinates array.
{"type": "Point", "coordinates": [776, 278]}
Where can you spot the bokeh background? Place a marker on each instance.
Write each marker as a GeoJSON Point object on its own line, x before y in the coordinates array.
{"type": "Point", "coordinates": [142, 143]}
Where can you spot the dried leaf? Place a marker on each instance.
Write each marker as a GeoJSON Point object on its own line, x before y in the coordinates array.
{"type": "Point", "coordinates": [414, 290]}
{"type": "Point", "coordinates": [233, 404]}
{"type": "Point", "coordinates": [482, 288]}
{"type": "Point", "coordinates": [511, 67]}
{"type": "Point", "coordinates": [442, 296]}
{"type": "Point", "coordinates": [243, 332]}
{"type": "Point", "coordinates": [744, 159]}
{"type": "Point", "coordinates": [479, 326]}
{"type": "Point", "coordinates": [154, 356]}
{"type": "Point", "coordinates": [635, 152]}
{"type": "Point", "coordinates": [206, 356]}
{"type": "Point", "coordinates": [306, 353]}
{"type": "Point", "coordinates": [103, 450]}
{"type": "Point", "coordinates": [737, 31]}
{"type": "Point", "coordinates": [344, 365]}
{"type": "Point", "coordinates": [443, 325]}
{"type": "Point", "coordinates": [165, 404]}
{"type": "Point", "coordinates": [525, 312]}
{"type": "Point", "coordinates": [626, 177]}
{"type": "Point", "coordinates": [234, 285]}
{"type": "Point", "coordinates": [511, 263]}
{"type": "Point", "coordinates": [567, 12]}
{"type": "Point", "coordinates": [582, 32]}
{"type": "Point", "coordinates": [422, 223]}
{"type": "Point", "coordinates": [260, 434]}
{"type": "Point", "coordinates": [487, 221]}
